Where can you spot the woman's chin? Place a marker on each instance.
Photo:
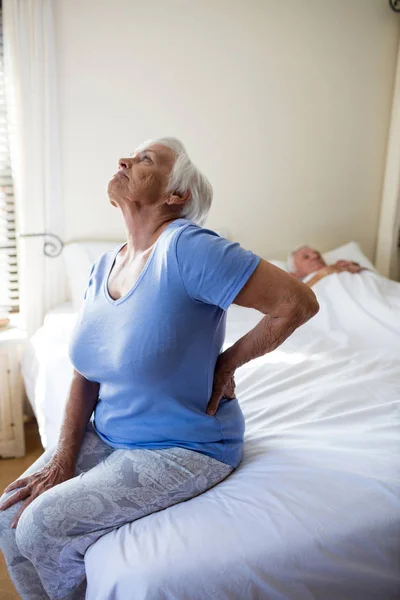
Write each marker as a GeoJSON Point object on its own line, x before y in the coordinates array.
{"type": "Point", "coordinates": [112, 190]}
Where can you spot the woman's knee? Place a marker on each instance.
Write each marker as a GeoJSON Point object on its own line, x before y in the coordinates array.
{"type": "Point", "coordinates": [44, 520]}
{"type": "Point", "coordinates": [29, 531]}
{"type": "Point", "coordinates": [7, 515]}
{"type": "Point", "coordinates": [24, 534]}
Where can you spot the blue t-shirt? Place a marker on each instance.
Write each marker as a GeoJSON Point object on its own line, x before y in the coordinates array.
{"type": "Point", "coordinates": [153, 351]}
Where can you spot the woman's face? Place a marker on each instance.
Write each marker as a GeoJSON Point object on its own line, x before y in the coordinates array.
{"type": "Point", "coordinates": [142, 178]}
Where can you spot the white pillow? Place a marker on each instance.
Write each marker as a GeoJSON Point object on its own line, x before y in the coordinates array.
{"type": "Point", "coordinates": [350, 251]}
{"type": "Point", "coordinates": [79, 258]}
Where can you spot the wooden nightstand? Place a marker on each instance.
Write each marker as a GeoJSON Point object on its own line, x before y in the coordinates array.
{"type": "Point", "coordinates": [12, 437]}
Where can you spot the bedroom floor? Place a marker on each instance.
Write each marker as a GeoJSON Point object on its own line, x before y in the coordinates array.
{"type": "Point", "coordinates": [10, 469]}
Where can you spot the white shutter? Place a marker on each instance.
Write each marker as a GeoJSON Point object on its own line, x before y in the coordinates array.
{"type": "Point", "coordinates": [9, 292]}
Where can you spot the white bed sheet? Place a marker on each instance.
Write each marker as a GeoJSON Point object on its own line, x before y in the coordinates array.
{"type": "Point", "coordinates": [47, 371]}
{"type": "Point", "coordinates": [312, 512]}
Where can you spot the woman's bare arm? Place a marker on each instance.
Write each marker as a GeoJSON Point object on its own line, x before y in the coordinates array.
{"type": "Point", "coordinates": [286, 303]}
{"type": "Point", "coordinates": [83, 396]}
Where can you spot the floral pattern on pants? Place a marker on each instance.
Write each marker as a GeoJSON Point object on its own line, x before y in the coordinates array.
{"type": "Point", "coordinates": [45, 553]}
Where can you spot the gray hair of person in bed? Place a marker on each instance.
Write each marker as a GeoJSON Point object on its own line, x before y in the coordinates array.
{"type": "Point", "coordinates": [185, 177]}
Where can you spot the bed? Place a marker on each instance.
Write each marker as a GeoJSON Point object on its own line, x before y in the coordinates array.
{"type": "Point", "coordinates": [313, 510]}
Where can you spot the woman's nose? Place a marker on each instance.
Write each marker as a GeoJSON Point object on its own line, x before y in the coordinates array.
{"type": "Point", "coordinates": [124, 163]}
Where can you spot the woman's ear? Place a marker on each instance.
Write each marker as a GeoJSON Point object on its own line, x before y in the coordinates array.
{"type": "Point", "coordinates": [178, 197]}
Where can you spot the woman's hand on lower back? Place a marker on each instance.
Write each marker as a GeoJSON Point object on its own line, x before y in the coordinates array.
{"type": "Point", "coordinates": [30, 487]}
{"type": "Point", "coordinates": [223, 386]}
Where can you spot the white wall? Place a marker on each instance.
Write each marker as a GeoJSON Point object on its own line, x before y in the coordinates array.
{"type": "Point", "coordinates": [284, 105]}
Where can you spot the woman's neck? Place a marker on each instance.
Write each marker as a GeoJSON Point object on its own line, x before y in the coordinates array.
{"type": "Point", "coordinates": [142, 231]}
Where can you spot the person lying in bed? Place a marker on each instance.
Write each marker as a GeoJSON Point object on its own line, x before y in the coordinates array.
{"type": "Point", "coordinates": [305, 261]}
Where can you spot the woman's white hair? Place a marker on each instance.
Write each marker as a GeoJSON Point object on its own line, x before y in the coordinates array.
{"type": "Point", "coordinates": [186, 176]}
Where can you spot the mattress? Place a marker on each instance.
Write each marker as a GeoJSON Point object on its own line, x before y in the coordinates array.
{"type": "Point", "coordinates": [313, 510]}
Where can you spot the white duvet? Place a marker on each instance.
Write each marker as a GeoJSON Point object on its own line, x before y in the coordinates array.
{"type": "Point", "coordinates": [359, 310]}
{"type": "Point", "coordinates": [313, 510]}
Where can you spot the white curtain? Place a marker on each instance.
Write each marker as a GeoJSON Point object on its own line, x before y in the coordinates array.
{"type": "Point", "coordinates": [30, 64]}
{"type": "Point", "coordinates": [387, 259]}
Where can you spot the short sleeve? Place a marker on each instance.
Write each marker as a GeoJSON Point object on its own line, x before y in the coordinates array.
{"type": "Point", "coordinates": [213, 269]}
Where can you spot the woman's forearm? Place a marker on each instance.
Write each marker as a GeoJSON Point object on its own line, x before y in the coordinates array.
{"type": "Point", "coordinates": [83, 396]}
{"type": "Point", "coordinates": [267, 335]}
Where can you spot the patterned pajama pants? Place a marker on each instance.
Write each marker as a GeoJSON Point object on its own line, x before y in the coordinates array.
{"type": "Point", "coordinates": [45, 553]}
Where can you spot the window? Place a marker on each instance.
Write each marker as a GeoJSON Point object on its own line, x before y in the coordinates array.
{"type": "Point", "coordinates": [9, 292]}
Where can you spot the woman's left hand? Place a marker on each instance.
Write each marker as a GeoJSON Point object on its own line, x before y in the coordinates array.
{"type": "Point", "coordinates": [223, 386]}
{"type": "Point", "coordinates": [54, 472]}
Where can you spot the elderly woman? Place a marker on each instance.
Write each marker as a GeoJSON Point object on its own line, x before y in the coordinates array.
{"type": "Point", "coordinates": [152, 418]}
